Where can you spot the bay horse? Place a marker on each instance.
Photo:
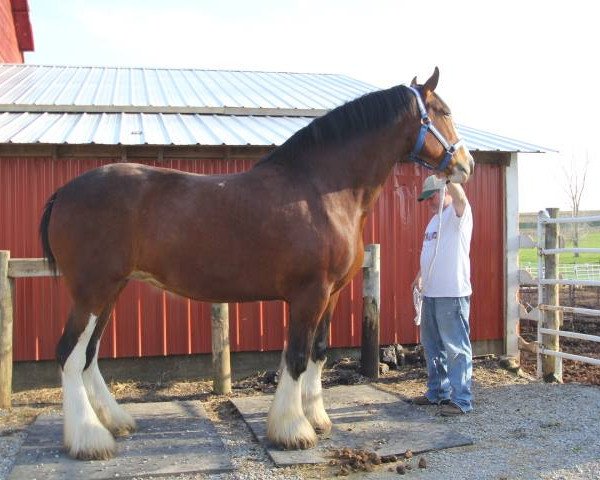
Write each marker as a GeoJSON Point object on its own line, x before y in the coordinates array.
{"type": "Point", "coordinates": [288, 229]}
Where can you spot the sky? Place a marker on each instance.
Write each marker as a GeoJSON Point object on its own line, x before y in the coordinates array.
{"type": "Point", "coordinates": [525, 69]}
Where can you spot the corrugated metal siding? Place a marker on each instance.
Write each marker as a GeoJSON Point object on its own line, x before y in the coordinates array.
{"type": "Point", "coordinates": [487, 195]}
{"type": "Point", "coordinates": [150, 322]}
{"type": "Point", "coordinates": [187, 129]}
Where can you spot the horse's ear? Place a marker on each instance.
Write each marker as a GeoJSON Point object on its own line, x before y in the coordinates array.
{"type": "Point", "coordinates": [414, 82]}
{"type": "Point", "coordinates": [432, 82]}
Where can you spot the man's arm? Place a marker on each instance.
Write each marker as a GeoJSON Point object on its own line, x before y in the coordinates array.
{"type": "Point", "coordinates": [459, 198]}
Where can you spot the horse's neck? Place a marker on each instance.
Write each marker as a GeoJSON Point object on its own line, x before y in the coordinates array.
{"type": "Point", "coordinates": [361, 167]}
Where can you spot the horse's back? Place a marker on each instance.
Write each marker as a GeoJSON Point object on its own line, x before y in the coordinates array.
{"type": "Point", "coordinates": [95, 217]}
{"type": "Point", "coordinates": [193, 234]}
{"type": "Point", "coordinates": [118, 180]}
{"type": "Point", "coordinates": [168, 225]}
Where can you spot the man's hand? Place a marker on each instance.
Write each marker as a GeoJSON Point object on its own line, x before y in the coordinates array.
{"type": "Point", "coordinates": [417, 282]}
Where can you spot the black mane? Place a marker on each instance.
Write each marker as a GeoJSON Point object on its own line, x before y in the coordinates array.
{"type": "Point", "coordinates": [364, 114]}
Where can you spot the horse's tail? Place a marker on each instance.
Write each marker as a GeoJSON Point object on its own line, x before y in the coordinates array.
{"type": "Point", "coordinates": [47, 250]}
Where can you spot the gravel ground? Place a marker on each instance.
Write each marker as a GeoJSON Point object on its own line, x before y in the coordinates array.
{"type": "Point", "coordinates": [522, 429]}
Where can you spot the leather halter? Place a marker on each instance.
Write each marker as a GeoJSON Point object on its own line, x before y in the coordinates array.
{"type": "Point", "coordinates": [427, 126]}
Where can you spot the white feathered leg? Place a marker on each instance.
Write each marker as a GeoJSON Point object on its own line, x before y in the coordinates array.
{"type": "Point", "coordinates": [84, 435]}
{"type": "Point", "coordinates": [287, 426]}
{"type": "Point", "coordinates": [312, 398]}
{"type": "Point", "coordinates": [114, 417]}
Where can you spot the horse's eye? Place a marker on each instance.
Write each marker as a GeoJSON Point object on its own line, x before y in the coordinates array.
{"type": "Point", "coordinates": [447, 113]}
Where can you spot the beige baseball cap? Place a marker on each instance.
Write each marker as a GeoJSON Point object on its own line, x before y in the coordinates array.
{"type": "Point", "coordinates": [431, 185]}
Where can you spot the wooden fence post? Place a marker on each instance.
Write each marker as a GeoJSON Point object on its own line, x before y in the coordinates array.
{"type": "Point", "coordinates": [220, 348]}
{"type": "Point", "coordinates": [6, 331]}
{"type": "Point", "coordinates": [551, 366]}
{"type": "Point", "coordinates": [369, 357]}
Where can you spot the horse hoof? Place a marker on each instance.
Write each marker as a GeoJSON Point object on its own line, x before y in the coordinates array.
{"type": "Point", "coordinates": [98, 454]}
{"type": "Point", "coordinates": [123, 430]}
{"type": "Point", "coordinates": [298, 443]}
{"type": "Point", "coordinates": [125, 427]}
{"type": "Point", "coordinates": [318, 419]}
{"type": "Point", "coordinates": [306, 443]}
{"type": "Point", "coordinates": [92, 442]}
{"type": "Point", "coordinates": [323, 428]}
{"type": "Point", "coordinates": [118, 421]}
{"type": "Point", "coordinates": [301, 437]}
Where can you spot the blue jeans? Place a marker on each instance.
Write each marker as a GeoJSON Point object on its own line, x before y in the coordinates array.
{"type": "Point", "coordinates": [445, 338]}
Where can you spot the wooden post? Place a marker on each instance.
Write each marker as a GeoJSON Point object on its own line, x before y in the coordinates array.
{"type": "Point", "coordinates": [220, 348]}
{"type": "Point", "coordinates": [369, 358]}
{"type": "Point", "coordinates": [511, 258]}
{"type": "Point", "coordinates": [6, 331]}
{"type": "Point", "coordinates": [551, 366]}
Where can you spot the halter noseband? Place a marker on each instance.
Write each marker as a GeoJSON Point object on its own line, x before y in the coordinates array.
{"type": "Point", "coordinates": [428, 126]}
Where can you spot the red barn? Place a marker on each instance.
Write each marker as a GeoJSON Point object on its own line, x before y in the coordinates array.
{"type": "Point", "coordinates": [58, 122]}
{"type": "Point", "coordinates": [15, 31]}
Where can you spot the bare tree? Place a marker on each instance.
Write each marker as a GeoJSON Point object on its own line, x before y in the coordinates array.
{"type": "Point", "coordinates": [575, 184]}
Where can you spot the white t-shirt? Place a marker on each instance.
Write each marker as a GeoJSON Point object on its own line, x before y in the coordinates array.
{"type": "Point", "coordinates": [451, 271]}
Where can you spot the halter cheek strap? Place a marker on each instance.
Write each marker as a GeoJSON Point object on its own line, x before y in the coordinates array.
{"type": "Point", "coordinates": [428, 126]}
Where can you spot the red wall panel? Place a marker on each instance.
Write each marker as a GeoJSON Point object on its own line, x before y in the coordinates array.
{"type": "Point", "coordinates": [149, 322]}
{"type": "Point", "coordinates": [9, 43]}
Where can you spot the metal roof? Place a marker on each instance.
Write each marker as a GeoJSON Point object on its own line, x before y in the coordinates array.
{"type": "Point", "coordinates": [146, 128]}
{"type": "Point", "coordinates": [186, 129]}
{"type": "Point", "coordinates": [111, 89]}
{"type": "Point", "coordinates": [143, 106]}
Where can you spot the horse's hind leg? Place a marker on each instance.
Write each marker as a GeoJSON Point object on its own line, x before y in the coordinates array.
{"type": "Point", "coordinates": [114, 417]}
{"type": "Point", "coordinates": [286, 424]}
{"type": "Point", "coordinates": [84, 435]}
{"type": "Point", "coordinates": [312, 394]}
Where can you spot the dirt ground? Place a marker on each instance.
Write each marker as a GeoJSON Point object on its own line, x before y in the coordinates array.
{"type": "Point", "coordinates": [407, 381]}
{"type": "Point", "coordinates": [489, 376]}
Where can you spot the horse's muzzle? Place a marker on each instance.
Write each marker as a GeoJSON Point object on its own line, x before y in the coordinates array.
{"type": "Point", "coordinates": [462, 171]}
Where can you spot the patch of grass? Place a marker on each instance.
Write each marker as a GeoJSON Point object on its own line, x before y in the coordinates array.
{"type": "Point", "coordinates": [590, 240]}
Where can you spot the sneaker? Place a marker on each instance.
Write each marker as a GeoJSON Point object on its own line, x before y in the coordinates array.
{"type": "Point", "coordinates": [451, 410]}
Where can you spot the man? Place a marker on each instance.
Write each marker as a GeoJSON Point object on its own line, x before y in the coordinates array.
{"type": "Point", "coordinates": [444, 279]}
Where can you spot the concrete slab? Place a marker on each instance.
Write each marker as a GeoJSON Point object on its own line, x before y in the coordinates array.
{"type": "Point", "coordinates": [172, 438]}
{"type": "Point", "coordinates": [363, 418]}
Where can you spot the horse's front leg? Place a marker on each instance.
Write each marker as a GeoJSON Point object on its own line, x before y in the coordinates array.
{"type": "Point", "coordinates": [312, 394]}
{"type": "Point", "coordinates": [287, 425]}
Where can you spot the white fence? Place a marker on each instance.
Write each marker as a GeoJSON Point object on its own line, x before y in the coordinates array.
{"type": "Point", "coordinates": [546, 311]}
{"type": "Point", "coordinates": [568, 271]}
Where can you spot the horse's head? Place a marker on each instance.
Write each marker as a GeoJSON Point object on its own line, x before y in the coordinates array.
{"type": "Point", "coordinates": [437, 145]}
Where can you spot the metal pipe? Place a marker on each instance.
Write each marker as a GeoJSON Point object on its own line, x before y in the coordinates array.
{"type": "Point", "coordinates": [563, 333]}
{"type": "Point", "coordinates": [570, 356]}
{"type": "Point", "coordinates": [595, 218]}
{"type": "Point", "coordinates": [552, 251]}
{"type": "Point", "coordinates": [581, 311]}
{"type": "Point", "coordinates": [557, 281]}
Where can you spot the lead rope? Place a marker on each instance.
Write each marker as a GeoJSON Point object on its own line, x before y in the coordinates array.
{"type": "Point", "coordinates": [418, 293]}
